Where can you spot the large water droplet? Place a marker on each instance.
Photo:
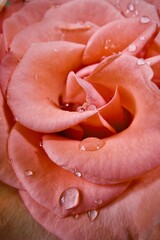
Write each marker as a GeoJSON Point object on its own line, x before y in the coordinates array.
{"type": "Point", "coordinates": [145, 19]}
{"type": "Point", "coordinates": [141, 61]}
{"type": "Point", "coordinates": [91, 144]}
{"type": "Point", "coordinates": [28, 173]}
{"type": "Point", "coordinates": [93, 214]}
{"type": "Point", "coordinates": [132, 48]}
{"type": "Point", "coordinates": [69, 198]}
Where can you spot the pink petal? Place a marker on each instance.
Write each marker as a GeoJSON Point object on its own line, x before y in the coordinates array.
{"type": "Point", "coordinates": [136, 9]}
{"type": "Point", "coordinates": [46, 78]}
{"type": "Point", "coordinates": [112, 38]}
{"type": "Point", "coordinates": [45, 181]}
{"type": "Point", "coordinates": [143, 41]}
{"type": "Point", "coordinates": [114, 114]}
{"type": "Point", "coordinates": [135, 214]}
{"type": "Point", "coordinates": [154, 62]}
{"type": "Point", "coordinates": [30, 13]}
{"type": "Point", "coordinates": [98, 12]}
{"type": "Point", "coordinates": [124, 155]}
{"type": "Point", "coordinates": [92, 96]}
{"type": "Point", "coordinates": [7, 174]}
{"type": "Point", "coordinates": [8, 64]}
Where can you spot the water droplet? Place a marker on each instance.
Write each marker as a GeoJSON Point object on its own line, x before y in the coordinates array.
{"type": "Point", "coordinates": [145, 19]}
{"type": "Point", "coordinates": [41, 144]}
{"type": "Point", "coordinates": [16, 119]}
{"type": "Point", "coordinates": [131, 7]}
{"type": "Point", "coordinates": [75, 216]}
{"type": "Point", "coordinates": [98, 201]}
{"type": "Point", "coordinates": [132, 48]}
{"type": "Point", "coordinates": [93, 214]}
{"type": "Point", "coordinates": [142, 38]}
{"type": "Point", "coordinates": [141, 61]}
{"type": "Point", "coordinates": [69, 198]}
{"type": "Point", "coordinates": [28, 173]}
{"type": "Point", "coordinates": [91, 144]}
{"type": "Point", "coordinates": [77, 173]}
{"type": "Point", "coordinates": [80, 109]}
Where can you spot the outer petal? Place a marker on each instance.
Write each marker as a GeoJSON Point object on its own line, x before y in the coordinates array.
{"type": "Point", "coordinates": [46, 181]}
{"type": "Point", "coordinates": [136, 8]}
{"type": "Point", "coordinates": [30, 13]}
{"type": "Point", "coordinates": [135, 215]}
{"type": "Point", "coordinates": [7, 174]}
{"type": "Point", "coordinates": [112, 38]}
{"type": "Point", "coordinates": [38, 73]}
{"type": "Point", "coordinates": [133, 151]}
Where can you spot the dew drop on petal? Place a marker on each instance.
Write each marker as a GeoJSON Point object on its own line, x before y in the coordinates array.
{"type": "Point", "coordinates": [141, 61]}
{"type": "Point", "coordinates": [91, 144]}
{"type": "Point", "coordinates": [131, 7]}
{"type": "Point", "coordinates": [41, 144]}
{"type": "Point", "coordinates": [77, 173]}
{"type": "Point", "coordinates": [144, 19]}
{"type": "Point", "coordinates": [132, 48]}
{"type": "Point", "coordinates": [28, 173]}
{"type": "Point", "coordinates": [76, 216]}
{"type": "Point", "coordinates": [98, 201]}
{"type": "Point", "coordinates": [69, 198]}
{"type": "Point", "coordinates": [93, 214]}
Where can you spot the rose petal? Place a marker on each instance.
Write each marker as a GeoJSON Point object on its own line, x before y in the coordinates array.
{"type": "Point", "coordinates": [154, 62]}
{"type": "Point", "coordinates": [46, 78]}
{"type": "Point", "coordinates": [30, 13]}
{"type": "Point", "coordinates": [111, 163]}
{"type": "Point", "coordinates": [8, 64]}
{"type": "Point", "coordinates": [114, 114]}
{"type": "Point", "coordinates": [98, 12]}
{"type": "Point", "coordinates": [112, 38]}
{"type": "Point", "coordinates": [8, 10]}
{"type": "Point", "coordinates": [45, 181]}
{"type": "Point", "coordinates": [132, 8]}
{"type": "Point", "coordinates": [134, 215]}
{"type": "Point", "coordinates": [7, 174]}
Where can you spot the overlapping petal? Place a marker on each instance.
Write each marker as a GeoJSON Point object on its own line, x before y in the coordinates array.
{"type": "Point", "coordinates": [7, 174]}
{"type": "Point", "coordinates": [45, 182]}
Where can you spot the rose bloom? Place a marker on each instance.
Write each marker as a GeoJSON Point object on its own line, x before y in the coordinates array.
{"type": "Point", "coordinates": [80, 120]}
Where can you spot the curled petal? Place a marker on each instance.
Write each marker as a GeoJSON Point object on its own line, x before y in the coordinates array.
{"type": "Point", "coordinates": [138, 209]}
{"type": "Point", "coordinates": [111, 38]}
{"type": "Point", "coordinates": [125, 154]}
{"type": "Point", "coordinates": [46, 182]}
{"type": "Point", "coordinates": [38, 92]}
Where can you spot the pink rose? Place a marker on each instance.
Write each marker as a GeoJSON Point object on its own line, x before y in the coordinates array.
{"type": "Point", "coordinates": [80, 126]}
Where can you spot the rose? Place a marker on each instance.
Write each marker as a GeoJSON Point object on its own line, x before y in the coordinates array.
{"type": "Point", "coordinates": [104, 98]}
